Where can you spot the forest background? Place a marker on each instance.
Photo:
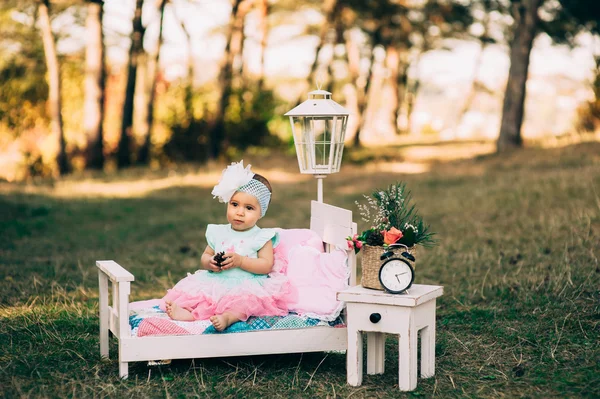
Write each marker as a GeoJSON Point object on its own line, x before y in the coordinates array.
{"type": "Point", "coordinates": [106, 85]}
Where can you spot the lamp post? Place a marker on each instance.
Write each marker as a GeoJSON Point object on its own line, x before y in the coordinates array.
{"type": "Point", "coordinates": [319, 128]}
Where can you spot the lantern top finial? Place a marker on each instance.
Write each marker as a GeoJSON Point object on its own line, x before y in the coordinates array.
{"type": "Point", "coordinates": [313, 94]}
{"type": "Point", "coordinates": [319, 103]}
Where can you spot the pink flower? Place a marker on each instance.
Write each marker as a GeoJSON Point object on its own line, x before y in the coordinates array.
{"type": "Point", "coordinates": [354, 243]}
{"type": "Point", "coordinates": [391, 236]}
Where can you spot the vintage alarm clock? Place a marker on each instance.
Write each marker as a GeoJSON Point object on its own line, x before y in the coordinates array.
{"type": "Point", "coordinates": [396, 274]}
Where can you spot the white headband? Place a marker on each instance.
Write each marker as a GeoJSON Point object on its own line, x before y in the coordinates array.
{"type": "Point", "coordinates": [237, 178]}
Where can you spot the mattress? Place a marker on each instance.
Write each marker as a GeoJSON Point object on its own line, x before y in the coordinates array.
{"type": "Point", "coordinates": [147, 319]}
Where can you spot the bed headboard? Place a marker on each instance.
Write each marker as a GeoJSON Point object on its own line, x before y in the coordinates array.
{"type": "Point", "coordinates": [333, 225]}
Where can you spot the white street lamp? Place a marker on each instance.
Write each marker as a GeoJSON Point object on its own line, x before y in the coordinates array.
{"type": "Point", "coordinates": [319, 128]}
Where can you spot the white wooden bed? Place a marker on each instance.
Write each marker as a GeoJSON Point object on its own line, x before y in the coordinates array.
{"type": "Point", "coordinates": [333, 225]}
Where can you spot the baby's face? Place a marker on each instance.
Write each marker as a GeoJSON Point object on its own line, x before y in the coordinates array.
{"type": "Point", "coordinates": [243, 211]}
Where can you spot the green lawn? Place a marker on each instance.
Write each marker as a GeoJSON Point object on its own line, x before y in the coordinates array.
{"type": "Point", "coordinates": [519, 241]}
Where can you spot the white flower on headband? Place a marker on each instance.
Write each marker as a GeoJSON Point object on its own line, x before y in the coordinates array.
{"type": "Point", "coordinates": [233, 177]}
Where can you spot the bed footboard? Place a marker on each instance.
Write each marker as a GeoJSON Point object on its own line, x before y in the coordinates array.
{"type": "Point", "coordinates": [114, 317]}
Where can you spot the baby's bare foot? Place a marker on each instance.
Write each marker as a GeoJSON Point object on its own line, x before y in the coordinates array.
{"type": "Point", "coordinates": [222, 321]}
{"type": "Point", "coordinates": [176, 312]}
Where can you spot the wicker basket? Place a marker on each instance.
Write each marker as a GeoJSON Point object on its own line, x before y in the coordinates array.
{"type": "Point", "coordinates": [371, 262]}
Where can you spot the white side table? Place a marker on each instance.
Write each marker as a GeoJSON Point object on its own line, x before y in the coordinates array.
{"type": "Point", "coordinates": [378, 312]}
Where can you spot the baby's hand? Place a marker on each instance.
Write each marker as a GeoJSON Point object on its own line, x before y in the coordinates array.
{"type": "Point", "coordinates": [231, 260]}
{"type": "Point", "coordinates": [214, 265]}
{"type": "Point", "coordinates": [219, 258]}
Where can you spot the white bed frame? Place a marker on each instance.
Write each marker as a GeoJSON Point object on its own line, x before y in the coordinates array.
{"type": "Point", "coordinates": [333, 225]}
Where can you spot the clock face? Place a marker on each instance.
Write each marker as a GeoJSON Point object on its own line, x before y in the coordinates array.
{"type": "Point", "coordinates": [396, 275]}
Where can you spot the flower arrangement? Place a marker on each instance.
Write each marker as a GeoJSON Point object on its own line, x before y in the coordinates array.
{"type": "Point", "coordinates": [393, 219]}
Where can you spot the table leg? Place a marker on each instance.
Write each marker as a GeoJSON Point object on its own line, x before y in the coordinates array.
{"type": "Point", "coordinates": [407, 360]}
{"type": "Point", "coordinates": [375, 352]}
{"type": "Point", "coordinates": [354, 358]}
{"type": "Point", "coordinates": [428, 352]}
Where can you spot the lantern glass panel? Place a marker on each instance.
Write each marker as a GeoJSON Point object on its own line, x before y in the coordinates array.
{"type": "Point", "coordinates": [319, 142]}
{"type": "Point", "coordinates": [339, 136]}
{"type": "Point", "coordinates": [302, 141]}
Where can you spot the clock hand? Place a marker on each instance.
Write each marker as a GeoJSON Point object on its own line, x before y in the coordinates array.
{"type": "Point", "coordinates": [399, 274]}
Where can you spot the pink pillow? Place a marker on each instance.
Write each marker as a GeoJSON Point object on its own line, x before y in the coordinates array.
{"type": "Point", "coordinates": [288, 239]}
{"type": "Point", "coordinates": [317, 276]}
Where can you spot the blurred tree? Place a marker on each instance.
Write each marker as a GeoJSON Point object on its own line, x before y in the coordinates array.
{"type": "Point", "coordinates": [483, 29]}
{"type": "Point", "coordinates": [375, 19]}
{"type": "Point", "coordinates": [95, 79]}
{"type": "Point", "coordinates": [135, 53]}
{"type": "Point", "coordinates": [415, 26]}
{"type": "Point", "coordinates": [144, 154]}
{"type": "Point", "coordinates": [189, 78]}
{"type": "Point", "coordinates": [331, 10]}
{"type": "Point", "coordinates": [562, 21]}
{"type": "Point", "coordinates": [263, 15]}
{"type": "Point", "coordinates": [217, 138]}
{"type": "Point", "coordinates": [586, 15]}
{"type": "Point", "coordinates": [583, 13]}
{"type": "Point", "coordinates": [432, 23]}
{"type": "Point", "coordinates": [526, 26]}
{"type": "Point", "coordinates": [54, 83]}
{"type": "Point", "coordinates": [589, 112]}
{"type": "Point", "coordinates": [24, 89]}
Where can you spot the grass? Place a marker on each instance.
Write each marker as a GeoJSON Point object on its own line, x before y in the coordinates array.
{"type": "Point", "coordinates": [518, 258]}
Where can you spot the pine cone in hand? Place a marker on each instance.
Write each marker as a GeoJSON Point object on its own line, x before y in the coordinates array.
{"type": "Point", "coordinates": [220, 258]}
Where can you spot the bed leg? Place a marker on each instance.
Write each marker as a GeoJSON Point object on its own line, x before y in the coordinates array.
{"type": "Point", "coordinates": [123, 370]}
{"type": "Point", "coordinates": [354, 358]}
{"type": "Point", "coordinates": [103, 305]}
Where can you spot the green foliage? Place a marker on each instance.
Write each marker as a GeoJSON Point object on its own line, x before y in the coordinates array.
{"type": "Point", "coordinates": [391, 208]}
{"type": "Point", "coordinates": [371, 237]}
{"type": "Point", "coordinates": [413, 24]}
{"type": "Point", "coordinates": [23, 95]}
{"type": "Point", "coordinates": [246, 125]}
{"type": "Point", "coordinates": [564, 22]}
{"type": "Point", "coordinates": [188, 141]}
{"type": "Point", "coordinates": [247, 118]}
{"type": "Point", "coordinates": [24, 89]}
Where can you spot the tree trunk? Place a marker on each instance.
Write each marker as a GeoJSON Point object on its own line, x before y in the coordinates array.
{"type": "Point", "coordinates": [330, 8]}
{"type": "Point", "coordinates": [95, 78]}
{"type": "Point", "coordinates": [353, 60]}
{"type": "Point", "coordinates": [238, 42]}
{"type": "Point", "coordinates": [189, 85]}
{"type": "Point", "coordinates": [475, 83]}
{"type": "Point", "coordinates": [363, 98]}
{"type": "Point", "coordinates": [54, 95]}
{"type": "Point", "coordinates": [217, 132]}
{"type": "Point", "coordinates": [402, 83]}
{"type": "Point", "coordinates": [526, 27]}
{"type": "Point", "coordinates": [263, 15]}
{"type": "Point", "coordinates": [474, 87]}
{"type": "Point", "coordinates": [135, 50]}
{"type": "Point", "coordinates": [397, 67]}
{"type": "Point", "coordinates": [144, 155]}
{"type": "Point", "coordinates": [339, 39]}
{"type": "Point", "coordinates": [412, 90]}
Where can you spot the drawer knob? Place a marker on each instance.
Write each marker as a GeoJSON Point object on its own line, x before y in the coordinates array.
{"type": "Point", "coordinates": [375, 317]}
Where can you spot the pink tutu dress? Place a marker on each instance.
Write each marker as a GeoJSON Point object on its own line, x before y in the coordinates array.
{"type": "Point", "coordinates": [242, 293]}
